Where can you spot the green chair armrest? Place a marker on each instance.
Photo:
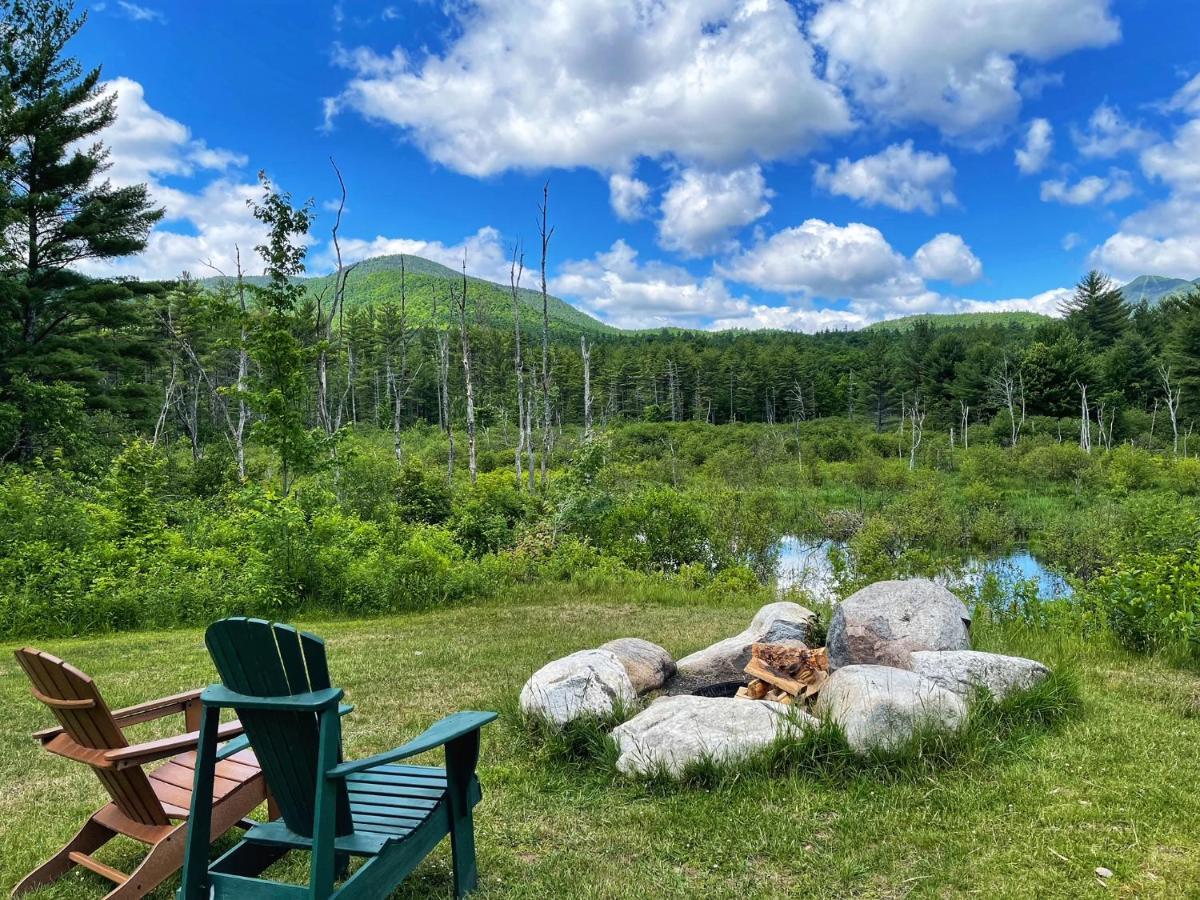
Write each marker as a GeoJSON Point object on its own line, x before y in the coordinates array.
{"type": "Point", "coordinates": [437, 735]}
{"type": "Point", "coordinates": [315, 701]}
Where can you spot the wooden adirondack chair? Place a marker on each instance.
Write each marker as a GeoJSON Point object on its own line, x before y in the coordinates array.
{"type": "Point", "coordinates": [392, 815]}
{"type": "Point", "coordinates": [148, 806]}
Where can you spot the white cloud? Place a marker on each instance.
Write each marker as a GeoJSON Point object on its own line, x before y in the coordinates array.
{"type": "Point", "coordinates": [1090, 189]}
{"type": "Point", "coordinates": [1109, 134]}
{"type": "Point", "coordinates": [818, 258]}
{"type": "Point", "coordinates": [948, 63]}
{"type": "Point", "coordinates": [897, 176]}
{"type": "Point", "coordinates": [146, 146]}
{"type": "Point", "coordinates": [1039, 142]}
{"type": "Point", "coordinates": [141, 13]}
{"type": "Point", "coordinates": [1128, 255]}
{"type": "Point", "coordinates": [702, 208]}
{"type": "Point", "coordinates": [1048, 303]}
{"type": "Point", "coordinates": [948, 258]}
{"type": "Point", "coordinates": [1187, 98]}
{"type": "Point", "coordinates": [486, 255]}
{"type": "Point", "coordinates": [616, 287]}
{"type": "Point", "coordinates": [628, 196]}
{"type": "Point", "coordinates": [596, 83]}
{"type": "Point", "coordinates": [1176, 163]}
{"type": "Point", "coordinates": [1071, 240]}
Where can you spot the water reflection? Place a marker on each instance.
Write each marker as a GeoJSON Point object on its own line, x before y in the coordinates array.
{"type": "Point", "coordinates": [804, 564]}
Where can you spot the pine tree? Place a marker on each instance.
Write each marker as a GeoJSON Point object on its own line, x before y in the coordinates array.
{"type": "Point", "coordinates": [58, 327]}
{"type": "Point", "coordinates": [1097, 310]}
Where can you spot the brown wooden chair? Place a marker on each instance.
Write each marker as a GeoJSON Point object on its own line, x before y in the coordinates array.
{"type": "Point", "coordinates": [150, 806]}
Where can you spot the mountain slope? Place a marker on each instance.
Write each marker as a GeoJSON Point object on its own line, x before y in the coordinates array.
{"type": "Point", "coordinates": [960, 320]}
{"type": "Point", "coordinates": [428, 287]}
{"type": "Point", "coordinates": [1156, 288]}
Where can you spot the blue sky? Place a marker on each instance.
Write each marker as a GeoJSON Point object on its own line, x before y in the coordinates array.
{"type": "Point", "coordinates": [716, 163]}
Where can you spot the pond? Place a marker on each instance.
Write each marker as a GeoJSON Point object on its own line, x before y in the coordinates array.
{"type": "Point", "coordinates": [804, 564]}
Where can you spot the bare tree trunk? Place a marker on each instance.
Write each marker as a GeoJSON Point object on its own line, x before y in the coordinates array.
{"type": "Point", "coordinates": [1173, 395]}
{"type": "Point", "coordinates": [1011, 389]}
{"type": "Point", "coordinates": [1085, 420]}
{"type": "Point", "coordinates": [515, 271]}
{"type": "Point", "coordinates": [464, 337]}
{"type": "Point", "coordinates": [546, 432]}
{"type": "Point", "coordinates": [324, 323]}
{"type": "Point", "coordinates": [239, 445]}
{"type": "Point", "coordinates": [917, 420]}
{"type": "Point", "coordinates": [965, 410]}
{"type": "Point", "coordinates": [402, 387]}
{"type": "Point", "coordinates": [443, 341]}
{"type": "Point", "coordinates": [168, 398]}
{"type": "Point", "coordinates": [587, 388]}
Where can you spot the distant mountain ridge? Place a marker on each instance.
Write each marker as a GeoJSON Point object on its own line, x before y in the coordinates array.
{"type": "Point", "coordinates": [427, 288]}
{"type": "Point", "coordinates": [1156, 288]}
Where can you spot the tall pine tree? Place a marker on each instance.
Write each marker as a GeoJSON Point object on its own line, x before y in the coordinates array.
{"type": "Point", "coordinates": [1097, 310]}
{"type": "Point", "coordinates": [59, 328]}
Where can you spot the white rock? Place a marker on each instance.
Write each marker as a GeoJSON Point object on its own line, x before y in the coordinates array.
{"type": "Point", "coordinates": [887, 621]}
{"type": "Point", "coordinates": [648, 665]}
{"type": "Point", "coordinates": [587, 683]}
{"type": "Point", "coordinates": [726, 660]}
{"type": "Point", "coordinates": [961, 671]}
{"type": "Point", "coordinates": [882, 707]}
{"type": "Point", "coordinates": [674, 731]}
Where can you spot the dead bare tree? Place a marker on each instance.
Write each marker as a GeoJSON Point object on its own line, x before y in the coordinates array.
{"type": "Point", "coordinates": [515, 270]}
{"type": "Point", "coordinates": [1085, 420]}
{"type": "Point", "coordinates": [399, 382]}
{"type": "Point", "coordinates": [1173, 396]}
{"type": "Point", "coordinates": [965, 415]}
{"type": "Point", "coordinates": [547, 434]}
{"type": "Point", "coordinates": [461, 301]}
{"type": "Point", "coordinates": [326, 318]}
{"type": "Point", "coordinates": [1009, 386]}
{"type": "Point", "coordinates": [916, 417]}
{"type": "Point", "coordinates": [587, 387]}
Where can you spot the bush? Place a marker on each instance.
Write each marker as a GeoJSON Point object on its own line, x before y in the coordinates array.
{"type": "Point", "coordinates": [1151, 601]}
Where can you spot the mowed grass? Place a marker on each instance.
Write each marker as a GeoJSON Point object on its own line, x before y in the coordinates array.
{"type": "Point", "coordinates": [1114, 786]}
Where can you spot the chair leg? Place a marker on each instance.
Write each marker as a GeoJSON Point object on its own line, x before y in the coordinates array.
{"type": "Point", "coordinates": [92, 836]}
{"type": "Point", "coordinates": [462, 849]}
{"type": "Point", "coordinates": [162, 861]}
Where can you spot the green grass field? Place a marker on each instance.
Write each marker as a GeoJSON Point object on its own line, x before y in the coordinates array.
{"type": "Point", "coordinates": [1114, 786]}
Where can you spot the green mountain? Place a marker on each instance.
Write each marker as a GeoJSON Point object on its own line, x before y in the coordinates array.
{"type": "Point", "coordinates": [427, 287]}
{"type": "Point", "coordinates": [1156, 288]}
{"type": "Point", "coordinates": [960, 320]}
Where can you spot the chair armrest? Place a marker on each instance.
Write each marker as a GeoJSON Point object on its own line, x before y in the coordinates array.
{"type": "Point", "coordinates": [315, 701]}
{"type": "Point", "coordinates": [437, 735]}
{"type": "Point", "coordinates": [133, 715]}
{"type": "Point", "coordinates": [150, 751]}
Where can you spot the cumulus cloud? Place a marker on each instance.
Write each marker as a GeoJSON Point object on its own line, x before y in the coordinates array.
{"type": "Point", "coordinates": [1109, 134]}
{"type": "Point", "coordinates": [1187, 98]}
{"type": "Point", "coordinates": [701, 208]}
{"type": "Point", "coordinates": [948, 258]}
{"type": "Point", "coordinates": [933, 61]}
{"type": "Point", "coordinates": [1090, 189]}
{"type": "Point", "coordinates": [596, 83]}
{"type": "Point", "coordinates": [897, 176]}
{"type": "Point", "coordinates": [484, 251]}
{"type": "Point", "coordinates": [146, 146]}
{"type": "Point", "coordinates": [818, 258]}
{"type": "Point", "coordinates": [1176, 162]}
{"type": "Point", "coordinates": [628, 196]}
{"type": "Point", "coordinates": [617, 287]}
{"type": "Point", "coordinates": [1031, 156]}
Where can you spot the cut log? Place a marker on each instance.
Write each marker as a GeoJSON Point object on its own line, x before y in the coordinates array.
{"type": "Point", "coordinates": [760, 670]}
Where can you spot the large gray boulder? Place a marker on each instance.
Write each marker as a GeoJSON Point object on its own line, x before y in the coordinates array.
{"type": "Point", "coordinates": [726, 660]}
{"type": "Point", "coordinates": [674, 731]}
{"type": "Point", "coordinates": [648, 665]}
{"type": "Point", "coordinates": [885, 622]}
{"type": "Point", "coordinates": [587, 683]}
{"type": "Point", "coordinates": [880, 707]}
{"type": "Point", "coordinates": [962, 671]}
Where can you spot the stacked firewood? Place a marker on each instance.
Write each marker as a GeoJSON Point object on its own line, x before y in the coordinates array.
{"type": "Point", "coordinates": [785, 673]}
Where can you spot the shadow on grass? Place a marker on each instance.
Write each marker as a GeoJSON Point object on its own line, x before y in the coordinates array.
{"type": "Point", "coordinates": [993, 731]}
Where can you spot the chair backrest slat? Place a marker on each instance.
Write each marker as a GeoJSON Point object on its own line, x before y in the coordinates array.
{"type": "Point", "coordinates": [86, 719]}
{"type": "Point", "coordinates": [264, 660]}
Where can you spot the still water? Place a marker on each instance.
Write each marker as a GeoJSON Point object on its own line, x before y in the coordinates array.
{"type": "Point", "coordinates": [804, 564]}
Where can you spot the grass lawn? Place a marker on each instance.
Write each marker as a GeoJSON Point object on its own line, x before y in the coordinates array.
{"type": "Point", "coordinates": [1116, 786]}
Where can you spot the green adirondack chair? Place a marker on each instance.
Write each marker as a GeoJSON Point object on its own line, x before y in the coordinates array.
{"type": "Point", "coordinates": [392, 815]}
